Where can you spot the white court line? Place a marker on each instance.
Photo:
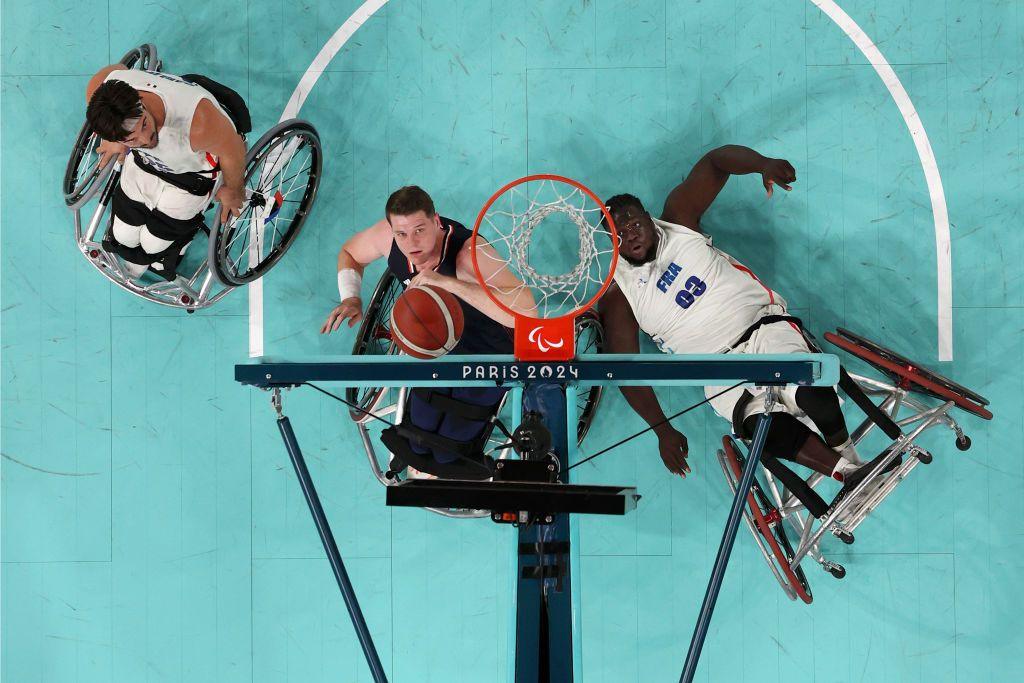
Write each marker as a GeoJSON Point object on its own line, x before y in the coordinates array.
{"type": "Point", "coordinates": [940, 214]}
{"type": "Point", "coordinates": [291, 110]}
{"type": "Point", "coordinates": [874, 56]}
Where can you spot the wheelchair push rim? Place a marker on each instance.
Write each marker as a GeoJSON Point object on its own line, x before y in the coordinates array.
{"type": "Point", "coordinates": [768, 522]}
{"type": "Point", "coordinates": [909, 375]}
{"type": "Point", "coordinates": [83, 176]}
{"type": "Point", "coordinates": [374, 339]}
{"type": "Point", "coordinates": [272, 187]}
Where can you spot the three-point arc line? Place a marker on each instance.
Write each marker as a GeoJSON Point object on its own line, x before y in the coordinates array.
{"type": "Point", "coordinates": [867, 47]}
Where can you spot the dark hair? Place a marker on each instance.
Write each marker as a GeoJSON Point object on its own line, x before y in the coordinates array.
{"type": "Point", "coordinates": [407, 200]}
{"type": "Point", "coordinates": [113, 103]}
{"type": "Point", "coordinates": [620, 203]}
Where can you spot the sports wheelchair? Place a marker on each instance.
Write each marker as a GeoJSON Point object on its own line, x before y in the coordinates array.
{"type": "Point", "coordinates": [366, 405]}
{"type": "Point", "coordinates": [282, 174]}
{"type": "Point", "coordinates": [772, 505]}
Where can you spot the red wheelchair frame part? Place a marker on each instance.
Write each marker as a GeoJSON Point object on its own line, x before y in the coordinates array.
{"type": "Point", "coordinates": [909, 374]}
{"type": "Point", "coordinates": [763, 525]}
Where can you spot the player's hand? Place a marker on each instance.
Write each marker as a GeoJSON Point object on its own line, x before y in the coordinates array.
{"type": "Point", "coordinates": [230, 203]}
{"type": "Point", "coordinates": [428, 277]}
{"type": "Point", "coordinates": [108, 150]}
{"type": "Point", "coordinates": [778, 172]}
{"type": "Point", "coordinates": [350, 309]}
{"type": "Point", "coordinates": [673, 449]}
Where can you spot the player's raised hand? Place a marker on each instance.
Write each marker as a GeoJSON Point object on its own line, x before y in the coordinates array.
{"type": "Point", "coordinates": [673, 448]}
{"type": "Point", "coordinates": [778, 172]}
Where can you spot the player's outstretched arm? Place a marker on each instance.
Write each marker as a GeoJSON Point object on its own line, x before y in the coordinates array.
{"type": "Point", "coordinates": [359, 251]}
{"type": "Point", "coordinates": [688, 201]}
{"type": "Point", "coordinates": [622, 335]}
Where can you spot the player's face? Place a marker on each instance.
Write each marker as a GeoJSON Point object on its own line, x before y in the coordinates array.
{"type": "Point", "coordinates": [144, 136]}
{"type": "Point", "coordinates": [637, 239]}
{"type": "Point", "coordinates": [418, 236]}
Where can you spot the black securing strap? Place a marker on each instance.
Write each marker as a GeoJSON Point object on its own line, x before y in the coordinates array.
{"type": "Point", "coordinates": [873, 412]}
{"type": "Point", "coordinates": [472, 466]}
{"type": "Point", "coordinates": [195, 183]}
{"type": "Point", "coordinates": [452, 406]}
{"type": "Point", "coordinates": [766, 320]}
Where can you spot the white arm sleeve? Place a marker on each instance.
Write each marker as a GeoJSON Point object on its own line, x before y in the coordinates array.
{"type": "Point", "coordinates": [350, 283]}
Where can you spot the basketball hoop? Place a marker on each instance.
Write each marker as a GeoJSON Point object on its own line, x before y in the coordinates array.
{"type": "Point", "coordinates": [555, 288]}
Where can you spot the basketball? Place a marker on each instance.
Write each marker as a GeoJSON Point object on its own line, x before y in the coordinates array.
{"type": "Point", "coordinates": [426, 322]}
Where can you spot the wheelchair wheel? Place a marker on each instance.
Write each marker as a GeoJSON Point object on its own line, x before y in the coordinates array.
{"type": "Point", "coordinates": [768, 522]}
{"type": "Point", "coordinates": [282, 174]}
{"type": "Point", "coordinates": [374, 339]}
{"type": "Point", "coordinates": [908, 374]}
{"type": "Point", "coordinates": [83, 176]}
{"type": "Point", "coordinates": [589, 339]}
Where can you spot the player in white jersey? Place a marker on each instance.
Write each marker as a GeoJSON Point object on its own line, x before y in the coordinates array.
{"type": "Point", "coordinates": [180, 138]}
{"type": "Point", "coordinates": [690, 297]}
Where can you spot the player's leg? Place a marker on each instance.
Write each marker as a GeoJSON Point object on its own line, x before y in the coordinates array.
{"type": "Point", "coordinates": [176, 218]}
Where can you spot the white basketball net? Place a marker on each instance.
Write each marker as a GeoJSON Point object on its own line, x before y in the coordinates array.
{"type": "Point", "coordinates": [573, 244]}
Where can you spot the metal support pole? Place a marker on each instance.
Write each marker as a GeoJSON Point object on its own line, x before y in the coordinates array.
{"type": "Point", "coordinates": [700, 631]}
{"type": "Point", "coordinates": [327, 538]}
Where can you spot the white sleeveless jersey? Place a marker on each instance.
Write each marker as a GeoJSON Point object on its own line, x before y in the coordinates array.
{"type": "Point", "coordinates": [693, 298]}
{"type": "Point", "coordinates": [173, 153]}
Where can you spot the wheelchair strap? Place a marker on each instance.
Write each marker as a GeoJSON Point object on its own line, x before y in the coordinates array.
{"type": "Point", "coordinates": [761, 322]}
{"type": "Point", "coordinates": [873, 412]}
{"type": "Point", "coordinates": [469, 465]}
{"type": "Point", "coordinates": [796, 484]}
{"type": "Point", "coordinates": [453, 406]}
{"type": "Point", "coordinates": [196, 183]}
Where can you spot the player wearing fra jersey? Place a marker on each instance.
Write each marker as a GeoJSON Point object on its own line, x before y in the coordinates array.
{"type": "Point", "coordinates": [690, 297]}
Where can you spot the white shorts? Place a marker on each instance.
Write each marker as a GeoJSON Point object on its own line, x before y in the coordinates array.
{"type": "Point", "coordinates": [155, 194]}
{"type": "Point", "coordinates": [781, 337]}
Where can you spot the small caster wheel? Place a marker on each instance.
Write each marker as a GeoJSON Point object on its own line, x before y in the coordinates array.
{"type": "Point", "coordinates": [924, 456]}
{"type": "Point", "coordinates": [838, 571]}
{"type": "Point", "coordinates": [963, 443]}
{"type": "Point", "coordinates": [844, 536]}
{"type": "Point", "coordinates": [190, 311]}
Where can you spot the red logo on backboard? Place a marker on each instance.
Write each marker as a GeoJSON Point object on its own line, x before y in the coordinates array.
{"type": "Point", "coordinates": [545, 340]}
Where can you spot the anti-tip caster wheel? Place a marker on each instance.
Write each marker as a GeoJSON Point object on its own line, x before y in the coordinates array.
{"type": "Point", "coordinates": [844, 536]}
{"type": "Point", "coordinates": [963, 442]}
{"type": "Point", "coordinates": [838, 571]}
{"type": "Point", "coordinates": [924, 456]}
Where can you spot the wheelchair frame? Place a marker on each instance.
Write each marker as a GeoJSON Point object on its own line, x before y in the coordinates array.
{"type": "Point", "coordinates": [211, 280]}
{"type": "Point", "coordinates": [767, 518]}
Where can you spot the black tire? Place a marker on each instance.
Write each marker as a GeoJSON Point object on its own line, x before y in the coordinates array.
{"type": "Point", "coordinates": [589, 339]}
{"type": "Point", "coordinates": [963, 444]}
{"type": "Point", "coordinates": [227, 248]}
{"type": "Point", "coordinates": [839, 571]}
{"type": "Point", "coordinates": [374, 339]}
{"type": "Point", "coordinates": [894, 357]}
{"type": "Point", "coordinates": [83, 171]}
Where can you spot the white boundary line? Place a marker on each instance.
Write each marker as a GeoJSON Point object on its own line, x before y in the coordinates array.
{"type": "Point", "coordinates": [944, 278]}
{"type": "Point", "coordinates": [327, 53]}
{"type": "Point", "coordinates": [943, 267]}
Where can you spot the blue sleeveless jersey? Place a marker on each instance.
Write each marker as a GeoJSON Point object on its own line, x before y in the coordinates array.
{"type": "Point", "coordinates": [481, 334]}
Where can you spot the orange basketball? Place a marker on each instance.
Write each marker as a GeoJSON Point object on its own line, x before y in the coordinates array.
{"type": "Point", "coordinates": [426, 322]}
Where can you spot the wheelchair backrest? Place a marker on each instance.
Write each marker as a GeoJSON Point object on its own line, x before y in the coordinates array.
{"type": "Point", "coordinates": [227, 98]}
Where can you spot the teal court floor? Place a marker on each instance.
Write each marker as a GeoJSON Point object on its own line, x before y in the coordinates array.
{"type": "Point", "coordinates": [151, 527]}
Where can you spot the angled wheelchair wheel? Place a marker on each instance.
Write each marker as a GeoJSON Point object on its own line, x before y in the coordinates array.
{"type": "Point", "coordinates": [589, 339]}
{"type": "Point", "coordinates": [908, 374]}
{"type": "Point", "coordinates": [374, 339]}
{"type": "Point", "coordinates": [766, 519]}
{"type": "Point", "coordinates": [282, 174]}
{"type": "Point", "coordinates": [83, 177]}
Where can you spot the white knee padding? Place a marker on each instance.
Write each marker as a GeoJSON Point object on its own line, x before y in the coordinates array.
{"type": "Point", "coordinates": [151, 244]}
{"type": "Point", "coordinates": [128, 235]}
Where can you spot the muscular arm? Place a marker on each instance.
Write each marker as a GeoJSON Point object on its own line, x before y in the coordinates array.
{"type": "Point", "coordinates": [213, 132]}
{"type": "Point", "coordinates": [503, 284]}
{"type": "Point", "coordinates": [688, 201]}
{"type": "Point", "coordinates": [622, 335]}
{"type": "Point", "coordinates": [365, 247]}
